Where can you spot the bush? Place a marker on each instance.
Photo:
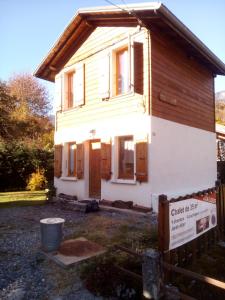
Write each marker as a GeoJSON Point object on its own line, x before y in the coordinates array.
{"type": "Point", "coordinates": [18, 162]}
{"type": "Point", "coordinates": [37, 181]}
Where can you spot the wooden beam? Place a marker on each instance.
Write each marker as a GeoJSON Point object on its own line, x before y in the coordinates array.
{"type": "Point", "coordinates": [116, 23]}
{"type": "Point", "coordinates": [131, 252]}
{"type": "Point", "coordinates": [194, 275]}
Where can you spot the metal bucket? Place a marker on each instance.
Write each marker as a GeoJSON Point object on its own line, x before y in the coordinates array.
{"type": "Point", "coordinates": [51, 233]}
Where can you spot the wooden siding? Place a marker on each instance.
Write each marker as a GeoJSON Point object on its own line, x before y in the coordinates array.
{"type": "Point", "coordinates": [100, 42]}
{"type": "Point", "coordinates": [182, 87]}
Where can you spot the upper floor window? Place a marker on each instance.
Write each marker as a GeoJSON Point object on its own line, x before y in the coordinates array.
{"type": "Point", "coordinates": [126, 157]}
{"type": "Point", "coordinates": [74, 87]}
{"type": "Point", "coordinates": [122, 71]}
{"type": "Point", "coordinates": [70, 89]}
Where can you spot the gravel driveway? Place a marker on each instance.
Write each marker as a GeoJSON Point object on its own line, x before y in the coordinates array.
{"type": "Point", "coordinates": [24, 272]}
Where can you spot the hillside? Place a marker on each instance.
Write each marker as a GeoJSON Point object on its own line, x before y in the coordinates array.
{"type": "Point", "coordinates": [220, 107]}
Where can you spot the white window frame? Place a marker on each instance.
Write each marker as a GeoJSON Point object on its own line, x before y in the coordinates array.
{"type": "Point", "coordinates": [115, 161]}
{"type": "Point", "coordinates": [65, 162]}
{"type": "Point", "coordinates": [117, 47]}
{"type": "Point", "coordinates": [66, 71]}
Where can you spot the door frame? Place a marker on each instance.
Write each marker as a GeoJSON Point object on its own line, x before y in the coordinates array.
{"type": "Point", "coordinates": [89, 173]}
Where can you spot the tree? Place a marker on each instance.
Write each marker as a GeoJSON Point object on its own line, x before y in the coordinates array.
{"type": "Point", "coordinates": [32, 106]}
{"type": "Point", "coordinates": [32, 97]}
{"type": "Point", "coordinates": [7, 105]}
{"type": "Point", "coordinates": [26, 132]}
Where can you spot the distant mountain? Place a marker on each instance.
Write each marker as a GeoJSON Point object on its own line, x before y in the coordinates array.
{"type": "Point", "coordinates": [220, 96]}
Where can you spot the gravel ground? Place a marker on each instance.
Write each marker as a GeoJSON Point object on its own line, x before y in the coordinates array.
{"type": "Point", "coordinates": [24, 272]}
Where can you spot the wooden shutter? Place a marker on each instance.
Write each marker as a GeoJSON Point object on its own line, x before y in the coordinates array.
{"type": "Point", "coordinates": [58, 92]}
{"type": "Point", "coordinates": [104, 77]}
{"type": "Point", "coordinates": [106, 150]}
{"type": "Point", "coordinates": [138, 68]}
{"type": "Point", "coordinates": [80, 161]}
{"type": "Point", "coordinates": [142, 161]}
{"type": "Point", "coordinates": [79, 85]}
{"type": "Point", "coordinates": [58, 161]}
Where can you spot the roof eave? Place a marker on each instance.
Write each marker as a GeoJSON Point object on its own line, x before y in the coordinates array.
{"type": "Point", "coordinates": [47, 70]}
{"type": "Point", "coordinates": [190, 37]}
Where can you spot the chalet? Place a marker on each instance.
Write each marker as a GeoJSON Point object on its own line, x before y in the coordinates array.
{"type": "Point", "coordinates": [135, 113]}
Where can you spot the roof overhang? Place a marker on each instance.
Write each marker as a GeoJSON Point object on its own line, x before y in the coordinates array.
{"type": "Point", "coordinates": [150, 15]}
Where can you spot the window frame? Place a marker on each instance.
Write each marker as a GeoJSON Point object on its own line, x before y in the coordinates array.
{"type": "Point", "coordinates": [117, 53]}
{"type": "Point", "coordinates": [69, 173]}
{"type": "Point", "coordinates": [121, 175]}
{"type": "Point", "coordinates": [75, 70]}
{"type": "Point", "coordinates": [70, 89]}
{"type": "Point", "coordinates": [120, 46]}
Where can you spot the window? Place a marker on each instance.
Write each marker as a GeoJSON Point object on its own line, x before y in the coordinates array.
{"type": "Point", "coordinates": [72, 159]}
{"type": "Point", "coordinates": [74, 87]}
{"type": "Point", "coordinates": [126, 157]}
{"type": "Point", "coordinates": [122, 71]}
{"type": "Point", "coordinates": [70, 90]}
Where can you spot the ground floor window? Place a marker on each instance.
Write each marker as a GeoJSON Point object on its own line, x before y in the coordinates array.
{"type": "Point", "coordinates": [126, 157]}
{"type": "Point", "coordinates": [72, 159]}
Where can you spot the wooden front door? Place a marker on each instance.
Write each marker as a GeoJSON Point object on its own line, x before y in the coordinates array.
{"type": "Point", "coordinates": [94, 169]}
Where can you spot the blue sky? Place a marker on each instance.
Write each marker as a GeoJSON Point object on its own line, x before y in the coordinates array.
{"type": "Point", "coordinates": [29, 28]}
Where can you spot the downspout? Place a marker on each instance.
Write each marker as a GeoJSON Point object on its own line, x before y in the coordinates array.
{"type": "Point", "coordinates": [214, 102]}
{"type": "Point", "coordinates": [149, 74]}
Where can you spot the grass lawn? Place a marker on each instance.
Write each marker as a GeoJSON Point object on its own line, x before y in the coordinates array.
{"type": "Point", "coordinates": [22, 198]}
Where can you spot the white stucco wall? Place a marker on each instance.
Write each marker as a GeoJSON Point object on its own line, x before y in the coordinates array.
{"type": "Point", "coordinates": [182, 159]}
{"type": "Point", "coordinates": [70, 187]}
{"type": "Point", "coordinates": [137, 125]}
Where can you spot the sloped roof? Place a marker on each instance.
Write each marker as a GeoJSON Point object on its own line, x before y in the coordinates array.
{"type": "Point", "coordinates": [145, 14]}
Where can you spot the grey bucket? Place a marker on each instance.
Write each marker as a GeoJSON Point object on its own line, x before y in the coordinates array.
{"type": "Point", "coordinates": [51, 233]}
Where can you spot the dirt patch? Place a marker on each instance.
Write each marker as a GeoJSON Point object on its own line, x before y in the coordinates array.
{"type": "Point", "coordinates": [102, 277]}
{"type": "Point", "coordinates": [79, 247]}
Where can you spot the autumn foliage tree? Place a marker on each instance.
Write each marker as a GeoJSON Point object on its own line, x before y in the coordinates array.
{"type": "Point", "coordinates": [32, 106]}
{"type": "Point", "coordinates": [7, 105]}
{"type": "Point", "coordinates": [26, 131]}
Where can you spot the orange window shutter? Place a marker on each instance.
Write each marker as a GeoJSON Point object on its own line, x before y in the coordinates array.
{"type": "Point", "coordinates": [106, 161]}
{"type": "Point", "coordinates": [80, 161]}
{"type": "Point", "coordinates": [138, 68]}
{"type": "Point", "coordinates": [58, 161]}
{"type": "Point", "coordinates": [142, 161]}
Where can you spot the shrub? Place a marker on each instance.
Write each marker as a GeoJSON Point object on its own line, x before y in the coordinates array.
{"type": "Point", "coordinates": [18, 162]}
{"type": "Point", "coordinates": [37, 181]}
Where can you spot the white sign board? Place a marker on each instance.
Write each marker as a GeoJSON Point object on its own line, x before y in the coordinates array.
{"type": "Point", "coordinates": [190, 218]}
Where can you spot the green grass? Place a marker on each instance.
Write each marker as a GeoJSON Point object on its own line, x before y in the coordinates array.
{"type": "Point", "coordinates": [22, 198]}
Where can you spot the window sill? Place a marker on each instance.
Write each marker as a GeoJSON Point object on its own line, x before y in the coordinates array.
{"type": "Point", "coordinates": [72, 108]}
{"type": "Point", "coordinates": [121, 96]}
{"type": "Point", "coordinates": [69, 178]}
{"type": "Point", "coordinates": [124, 181]}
